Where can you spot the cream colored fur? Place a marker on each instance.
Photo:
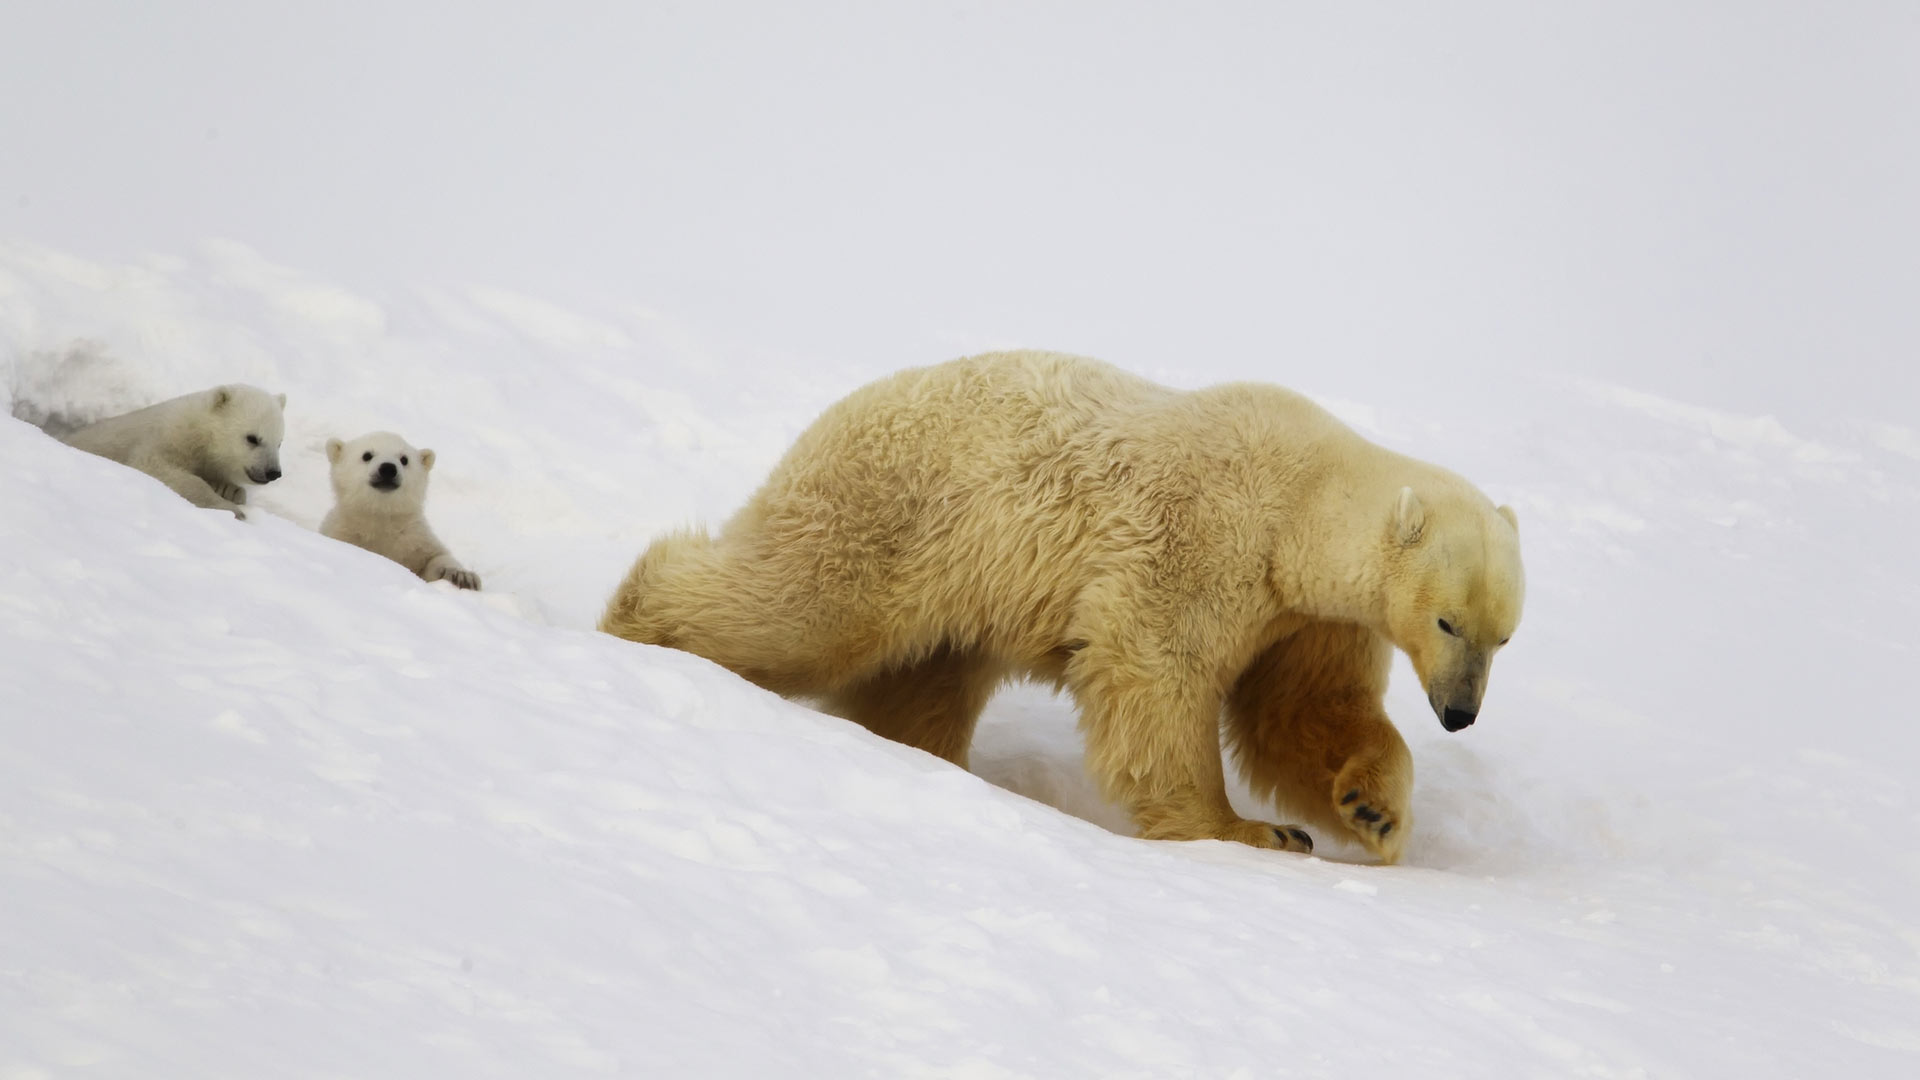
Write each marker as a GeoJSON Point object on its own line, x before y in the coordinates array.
{"type": "Point", "coordinates": [380, 501]}
{"type": "Point", "coordinates": [202, 445]}
{"type": "Point", "coordinates": [1232, 558]}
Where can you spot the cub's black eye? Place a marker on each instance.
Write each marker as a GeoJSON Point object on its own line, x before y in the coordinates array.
{"type": "Point", "coordinates": [368, 456]}
{"type": "Point", "coordinates": [1448, 627]}
{"type": "Point", "coordinates": [403, 459]}
{"type": "Point", "coordinates": [253, 440]}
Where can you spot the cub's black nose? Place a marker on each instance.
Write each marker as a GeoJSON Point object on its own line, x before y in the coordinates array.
{"type": "Point", "coordinates": [1455, 719]}
{"type": "Point", "coordinates": [272, 475]}
{"type": "Point", "coordinates": [387, 470]}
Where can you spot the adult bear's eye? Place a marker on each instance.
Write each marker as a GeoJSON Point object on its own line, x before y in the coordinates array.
{"type": "Point", "coordinates": [368, 456]}
{"type": "Point", "coordinates": [403, 459]}
{"type": "Point", "coordinates": [253, 440]}
{"type": "Point", "coordinates": [1448, 627]}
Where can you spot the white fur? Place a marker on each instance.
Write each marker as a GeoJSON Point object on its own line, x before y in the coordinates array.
{"type": "Point", "coordinates": [1176, 560]}
{"type": "Point", "coordinates": [380, 499]}
{"type": "Point", "coordinates": [202, 445]}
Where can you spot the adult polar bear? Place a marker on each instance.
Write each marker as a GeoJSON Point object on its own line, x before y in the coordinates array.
{"type": "Point", "coordinates": [1162, 555]}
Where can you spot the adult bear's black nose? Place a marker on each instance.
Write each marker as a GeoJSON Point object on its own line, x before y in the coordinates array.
{"type": "Point", "coordinates": [387, 470]}
{"type": "Point", "coordinates": [1455, 719]}
{"type": "Point", "coordinates": [272, 475]}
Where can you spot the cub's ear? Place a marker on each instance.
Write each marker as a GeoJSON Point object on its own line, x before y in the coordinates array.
{"type": "Point", "coordinates": [221, 396]}
{"type": "Point", "coordinates": [1409, 517]}
{"type": "Point", "coordinates": [282, 399]}
{"type": "Point", "coordinates": [426, 460]}
{"type": "Point", "coordinates": [334, 446]}
{"type": "Point", "coordinates": [1507, 512]}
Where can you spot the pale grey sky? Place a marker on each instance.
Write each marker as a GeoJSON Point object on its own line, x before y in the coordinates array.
{"type": "Point", "coordinates": [1719, 202]}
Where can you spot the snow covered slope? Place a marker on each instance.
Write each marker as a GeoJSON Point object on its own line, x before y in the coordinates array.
{"type": "Point", "coordinates": [271, 807]}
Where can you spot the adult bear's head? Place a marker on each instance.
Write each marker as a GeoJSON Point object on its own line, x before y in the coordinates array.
{"type": "Point", "coordinates": [1454, 590]}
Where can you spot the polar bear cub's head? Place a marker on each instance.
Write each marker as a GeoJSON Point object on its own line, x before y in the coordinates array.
{"type": "Point", "coordinates": [242, 431]}
{"type": "Point", "coordinates": [379, 472]}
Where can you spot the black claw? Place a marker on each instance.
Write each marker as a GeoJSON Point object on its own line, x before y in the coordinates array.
{"type": "Point", "coordinates": [1350, 796]}
{"type": "Point", "coordinates": [1367, 814]}
{"type": "Point", "coordinates": [1300, 837]}
{"type": "Point", "coordinates": [1385, 829]}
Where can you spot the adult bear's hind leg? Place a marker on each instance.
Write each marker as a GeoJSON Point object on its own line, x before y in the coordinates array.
{"type": "Point", "coordinates": [931, 704]}
{"type": "Point", "coordinates": [689, 592]}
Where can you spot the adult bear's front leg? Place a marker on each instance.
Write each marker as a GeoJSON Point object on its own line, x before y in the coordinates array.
{"type": "Point", "coordinates": [1373, 791]}
{"type": "Point", "coordinates": [1306, 727]}
{"type": "Point", "coordinates": [1153, 743]}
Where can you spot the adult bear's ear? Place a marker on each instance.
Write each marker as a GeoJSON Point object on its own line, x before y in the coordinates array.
{"type": "Point", "coordinates": [426, 460]}
{"type": "Point", "coordinates": [334, 446]}
{"type": "Point", "coordinates": [1507, 512]}
{"type": "Point", "coordinates": [1409, 517]}
{"type": "Point", "coordinates": [282, 399]}
{"type": "Point", "coordinates": [221, 395]}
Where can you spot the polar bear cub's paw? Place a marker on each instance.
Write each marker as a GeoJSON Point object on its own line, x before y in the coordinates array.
{"type": "Point", "coordinates": [457, 576]}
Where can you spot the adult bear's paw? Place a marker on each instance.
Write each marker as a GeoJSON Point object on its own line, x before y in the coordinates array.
{"type": "Point", "coordinates": [1272, 837]}
{"type": "Point", "coordinates": [1374, 807]}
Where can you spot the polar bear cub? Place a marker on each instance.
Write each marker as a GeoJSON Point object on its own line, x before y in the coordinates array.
{"type": "Point", "coordinates": [380, 498]}
{"type": "Point", "coordinates": [202, 445]}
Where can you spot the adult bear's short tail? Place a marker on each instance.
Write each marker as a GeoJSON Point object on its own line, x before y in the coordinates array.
{"type": "Point", "coordinates": [629, 614]}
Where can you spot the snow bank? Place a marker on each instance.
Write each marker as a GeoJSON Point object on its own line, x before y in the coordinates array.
{"type": "Point", "coordinates": [269, 806]}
